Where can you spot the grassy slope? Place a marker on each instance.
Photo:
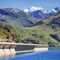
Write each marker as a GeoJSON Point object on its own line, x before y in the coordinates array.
{"type": "Point", "coordinates": [41, 32]}
{"type": "Point", "coordinates": [21, 33]}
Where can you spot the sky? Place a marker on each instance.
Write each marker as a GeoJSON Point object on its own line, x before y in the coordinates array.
{"type": "Point", "coordinates": [22, 4]}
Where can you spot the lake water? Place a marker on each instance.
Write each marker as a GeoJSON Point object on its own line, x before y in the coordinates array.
{"type": "Point", "coordinates": [48, 55]}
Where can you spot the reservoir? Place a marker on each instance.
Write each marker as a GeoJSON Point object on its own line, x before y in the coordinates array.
{"type": "Point", "coordinates": [35, 52]}
{"type": "Point", "coordinates": [47, 55]}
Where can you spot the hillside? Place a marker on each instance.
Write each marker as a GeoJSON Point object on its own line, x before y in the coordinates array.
{"type": "Point", "coordinates": [46, 31]}
{"type": "Point", "coordinates": [5, 33]}
{"type": "Point", "coordinates": [53, 23]}
{"type": "Point", "coordinates": [38, 34]}
{"type": "Point", "coordinates": [41, 33]}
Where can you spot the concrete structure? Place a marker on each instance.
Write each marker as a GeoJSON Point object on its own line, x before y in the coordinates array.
{"type": "Point", "coordinates": [40, 49]}
{"type": "Point", "coordinates": [8, 48]}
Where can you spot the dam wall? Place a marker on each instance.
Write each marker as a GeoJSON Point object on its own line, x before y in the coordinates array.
{"type": "Point", "coordinates": [7, 52]}
{"type": "Point", "coordinates": [13, 48]}
{"type": "Point", "coordinates": [40, 49]}
{"type": "Point", "coordinates": [7, 49]}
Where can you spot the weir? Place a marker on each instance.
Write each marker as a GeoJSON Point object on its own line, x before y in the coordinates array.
{"type": "Point", "coordinates": [8, 48]}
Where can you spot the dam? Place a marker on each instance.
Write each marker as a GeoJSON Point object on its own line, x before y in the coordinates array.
{"type": "Point", "coordinates": [8, 48]}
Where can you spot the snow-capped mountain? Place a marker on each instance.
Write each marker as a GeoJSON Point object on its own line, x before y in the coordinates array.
{"type": "Point", "coordinates": [55, 10]}
{"type": "Point", "coordinates": [39, 12]}
{"type": "Point", "coordinates": [32, 9]}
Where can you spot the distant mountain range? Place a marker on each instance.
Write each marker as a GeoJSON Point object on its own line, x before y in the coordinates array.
{"type": "Point", "coordinates": [22, 27]}
{"type": "Point", "coordinates": [39, 12]}
{"type": "Point", "coordinates": [16, 16]}
{"type": "Point", "coordinates": [27, 17]}
{"type": "Point", "coordinates": [46, 31]}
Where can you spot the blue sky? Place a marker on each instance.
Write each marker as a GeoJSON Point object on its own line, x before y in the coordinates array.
{"type": "Point", "coordinates": [21, 4]}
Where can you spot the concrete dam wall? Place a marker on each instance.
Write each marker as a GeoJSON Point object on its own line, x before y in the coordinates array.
{"type": "Point", "coordinates": [13, 48]}
{"type": "Point", "coordinates": [6, 52]}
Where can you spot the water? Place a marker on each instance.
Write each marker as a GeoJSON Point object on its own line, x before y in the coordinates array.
{"type": "Point", "coordinates": [48, 55]}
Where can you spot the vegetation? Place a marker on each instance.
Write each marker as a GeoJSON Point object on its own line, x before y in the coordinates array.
{"type": "Point", "coordinates": [46, 31]}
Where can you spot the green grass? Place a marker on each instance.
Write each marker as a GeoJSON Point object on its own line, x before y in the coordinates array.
{"type": "Point", "coordinates": [24, 33]}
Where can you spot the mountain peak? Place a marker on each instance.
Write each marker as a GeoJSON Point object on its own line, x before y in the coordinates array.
{"type": "Point", "coordinates": [33, 8]}
{"type": "Point", "coordinates": [55, 10]}
{"type": "Point", "coordinates": [12, 10]}
{"type": "Point", "coordinates": [36, 8]}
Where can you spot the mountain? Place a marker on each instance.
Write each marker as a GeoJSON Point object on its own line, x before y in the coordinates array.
{"type": "Point", "coordinates": [36, 12]}
{"type": "Point", "coordinates": [55, 10]}
{"type": "Point", "coordinates": [53, 24]}
{"type": "Point", "coordinates": [34, 9]}
{"type": "Point", "coordinates": [14, 24]}
{"type": "Point", "coordinates": [39, 12]}
{"type": "Point", "coordinates": [16, 16]}
{"type": "Point", "coordinates": [46, 31]}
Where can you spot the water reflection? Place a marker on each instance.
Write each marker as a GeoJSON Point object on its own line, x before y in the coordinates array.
{"type": "Point", "coordinates": [6, 57]}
